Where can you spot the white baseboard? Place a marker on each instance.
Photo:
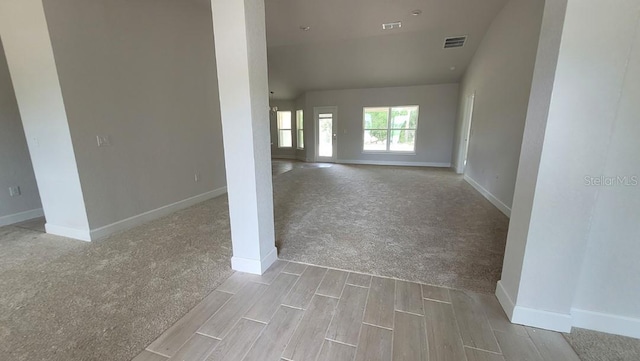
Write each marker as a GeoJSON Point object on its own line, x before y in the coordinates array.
{"type": "Point", "coordinates": [553, 321]}
{"type": "Point", "coordinates": [390, 162]}
{"type": "Point", "coordinates": [21, 217]}
{"type": "Point", "coordinates": [130, 222]}
{"type": "Point", "coordinates": [602, 322]}
{"type": "Point", "coordinates": [605, 322]}
{"type": "Point", "coordinates": [291, 157]}
{"type": "Point", "coordinates": [79, 234]}
{"type": "Point", "coordinates": [254, 266]}
{"type": "Point", "coordinates": [532, 317]}
{"type": "Point", "coordinates": [505, 300]}
{"type": "Point", "coordinates": [493, 199]}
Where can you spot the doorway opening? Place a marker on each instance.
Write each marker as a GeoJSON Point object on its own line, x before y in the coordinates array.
{"type": "Point", "coordinates": [326, 130]}
{"type": "Point", "coordinates": [468, 118]}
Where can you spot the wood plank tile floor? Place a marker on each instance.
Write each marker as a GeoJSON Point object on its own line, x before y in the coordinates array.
{"type": "Point", "coordinates": [299, 312]}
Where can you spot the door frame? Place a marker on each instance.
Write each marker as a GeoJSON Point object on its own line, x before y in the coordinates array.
{"type": "Point", "coordinates": [469, 105]}
{"type": "Point", "coordinates": [316, 112]}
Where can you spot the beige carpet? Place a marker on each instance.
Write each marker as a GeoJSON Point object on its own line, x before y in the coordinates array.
{"type": "Point", "coordinates": [70, 300]}
{"type": "Point", "coordinates": [419, 224]}
{"type": "Point", "coordinates": [598, 346]}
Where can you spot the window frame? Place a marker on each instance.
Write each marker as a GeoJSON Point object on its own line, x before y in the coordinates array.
{"type": "Point", "coordinates": [389, 130]}
{"type": "Point", "coordinates": [300, 129]}
{"type": "Point", "coordinates": [290, 129]}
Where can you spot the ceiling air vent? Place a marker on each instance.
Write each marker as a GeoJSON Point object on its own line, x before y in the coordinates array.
{"type": "Point", "coordinates": [454, 42]}
{"type": "Point", "coordinates": [393, 25]}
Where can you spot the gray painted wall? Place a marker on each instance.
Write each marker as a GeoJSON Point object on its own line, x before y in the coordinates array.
{"type": "Point", "coordinates": [142, 73]}
{"type": "Point", "coordinates": [436, 123]}
{"type": "Point", "coordinates": [500, 73]}
{"type": "Point", "coordinates": [15, 162]}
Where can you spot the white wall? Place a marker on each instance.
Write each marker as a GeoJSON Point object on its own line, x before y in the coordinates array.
{"type": "Point", "coordinates": [500, 74]}
{"type": "Point", "coordinates": [36, 84]}
{"type": "Point", "coordinates": [579, 266]}
{"type": "Point", "coordinates": [436, 123]}
{"type": "Point", "coordinates": [15, 162]}
{"type": "Point", "coordinates": [532, 143]}
{"type": "Point", "coordinates": [611, 272]}
{"type": "Point", "coordinates": [142, 73]}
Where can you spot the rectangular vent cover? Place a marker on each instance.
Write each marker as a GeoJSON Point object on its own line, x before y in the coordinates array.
{"type": "Point", "coordinates": [454, 42]}
{"type": "Point", "coordinates": [393, 25]}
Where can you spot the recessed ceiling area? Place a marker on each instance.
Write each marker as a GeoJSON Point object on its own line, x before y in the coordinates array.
{"type": "Point", "coordinates": [346, 46]}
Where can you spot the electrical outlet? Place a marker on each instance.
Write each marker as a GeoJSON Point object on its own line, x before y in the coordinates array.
{"type": "Point", "coordinates": [14, 191]}
{"type": "Point", "coordinates": [196, 177]}
{"type": "Point", "coordinates": [103, 140]}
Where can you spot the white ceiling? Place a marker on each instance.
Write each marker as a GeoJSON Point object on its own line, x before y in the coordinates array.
{"type": "Point", "coordinates": [347, 48]}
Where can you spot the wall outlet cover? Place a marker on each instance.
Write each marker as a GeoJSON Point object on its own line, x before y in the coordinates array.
{"type": "Point", "coordinates": [103, 140]}
{"type": "Point", "coordinates": [14, 191]}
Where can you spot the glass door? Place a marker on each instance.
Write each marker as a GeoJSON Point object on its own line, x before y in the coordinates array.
{"type": "Point", "coordinates": [326, 134]}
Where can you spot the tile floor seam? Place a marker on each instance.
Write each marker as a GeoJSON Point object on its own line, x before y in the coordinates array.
{"type": "Point", "coordinates": [411, 313]}
{"type": "Point", "coordinates": [253, 343]}
{"type": "Point", "coordinates": [251, 319]}
{"type": "Point", "coordinates": [159, 353]}
{"type": "Point", "coordinates": [389, 277]}
{"type": "Point", "coordinates": [526, 337]}
{"type": "Point", "coordinates": [295, 308]}
{"type": "Point", "coordinates": [431, 299]}
{"type": "Point", "coordinates": [209, 336]}
{"type": "Point", "coordinates": [455, 322]}
{"type": "Point", "coordinates": [333, 317]}
{"type": "Point", "coordinates": [378, 326]}
{"type": "Point", "coordinates": [320, 294]}
{"type": "Point", "coordinates": [225, 302]}
{"type": "Point", "coordinates": [393, 321]}
{"type": "Point", "coordinates": [344, 343]}
{"type": "Point", "coordinates": [350, 284]}
{"type": "Point", "coordinates": [483, 350]}
{"type": "Point", "coordinates": [366, 302]}
{"type": "Point", "coordinates": [249, 307]}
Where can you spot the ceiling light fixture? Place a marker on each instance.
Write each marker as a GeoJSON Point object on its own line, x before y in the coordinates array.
{"type": "Point", "coordinates": [394, 25]}
{"type": "Point", "coordinates": [305, 28]}
{"type": "Point", "coordinates": [416, 12]}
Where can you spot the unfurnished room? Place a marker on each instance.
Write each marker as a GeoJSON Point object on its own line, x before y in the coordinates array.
{"type": "Point", "coordinates": [305, 180]}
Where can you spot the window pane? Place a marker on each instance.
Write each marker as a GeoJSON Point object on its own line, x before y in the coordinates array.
{"type": "Point", "coordinates": [403, 140]}
{"type": "Point", "coordinates": [404, 117]}
{"type": "Point", "coordinates": [376, 118]}
{"type": "Point", "coordinates": [299, 120]}
{"type": "Point", "coordinates": [325, 138]}
{"type": "Point", "coordinates": [284, 139]}
{"type": "Point", "coordinates": [375, 140]}
{"type": "Point", "coordinates": [284, 120]}
{"type": "Point", "coordinates": [300, 139]}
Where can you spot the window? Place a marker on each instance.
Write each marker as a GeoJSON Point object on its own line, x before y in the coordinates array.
{"type": "Point", "coordinates": [284, 130]}
{"type": "Point", "coordinates": [300, 128]}
{"type": "Point", "coordinates": [390, 129]}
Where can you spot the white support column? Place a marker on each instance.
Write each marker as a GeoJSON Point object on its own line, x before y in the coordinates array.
{"type": "Point", "coordinates": [567, 235]}
{"type": "Point", "coordinates": [29, 53]}
{"type": "Point", "coordinates": [241, 57]}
